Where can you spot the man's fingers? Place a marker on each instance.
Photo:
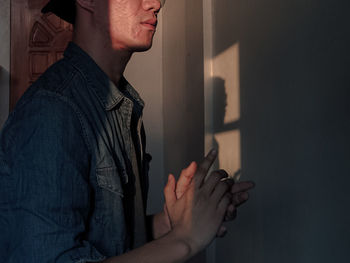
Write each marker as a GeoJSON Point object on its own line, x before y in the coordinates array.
{"type": "Point", "coordinates": [223, 204]}
{"type": "Point", "coordinates": [212, 181]}
{"type": "Point", "coordinates": [220, 190]}
{"type": "Point", "coordinates": [239, 198]}
{"type": "Point", "coordinates": [242, 187]}
{"type": "Point", "coordinates": [169, 191]}
{"type": "Point", "coordinates": [185, 179]}
{"type": "Point", "coordinates": [222, 231]}
{"type": "Point", "coordinates": [231, 213]}
{"type": "Point", "coordinates": [204, 167]}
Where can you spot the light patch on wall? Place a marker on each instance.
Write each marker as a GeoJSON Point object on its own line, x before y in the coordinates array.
{"type": "Point", "coordinates": [226, 67]}
{"type": "Point", "coordinates": [229, 152]}
{"type": "Point", "coordinates": [226, 108]}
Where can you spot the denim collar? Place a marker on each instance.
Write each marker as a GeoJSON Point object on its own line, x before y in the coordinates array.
{"type": "Point", "coordinates": [108, 94]}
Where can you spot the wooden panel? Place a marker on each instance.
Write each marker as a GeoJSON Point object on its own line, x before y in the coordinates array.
{"type": "Point", "coordinates": [39, 61]}
{"type": "Point", "coordinates": [39, 36]}
{"type": "Point", "coordinates": [37, 41]}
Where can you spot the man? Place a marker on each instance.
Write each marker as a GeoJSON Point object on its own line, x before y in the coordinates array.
{"type": "Point", "coordinates": [73, 166]}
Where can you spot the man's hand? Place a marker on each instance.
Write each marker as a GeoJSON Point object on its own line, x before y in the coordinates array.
{"type": "Point", "coordinates": [240, 195]}
{"type": "Point", "coordinates": [161, 222]}
{"type": "Point", "coordinates": [196, 216]}
{"type": "Point", "coordinates": [185, 179]}
{"type": "Point", "coordinates": [239, 192]}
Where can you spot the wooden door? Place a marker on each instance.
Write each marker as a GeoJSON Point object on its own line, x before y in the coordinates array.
{"type": "Point", "coordinates": [37, 41]}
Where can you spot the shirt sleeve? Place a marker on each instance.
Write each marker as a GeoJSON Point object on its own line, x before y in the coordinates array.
{"type": "Point", "coordinates": [48, 161]}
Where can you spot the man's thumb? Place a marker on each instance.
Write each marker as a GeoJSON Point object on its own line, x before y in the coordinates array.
{"type": "Point", "coordinates": [169, 190]}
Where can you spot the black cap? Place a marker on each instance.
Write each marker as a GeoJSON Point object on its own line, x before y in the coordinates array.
{"type": "Point", "coordinates": [64, 9]}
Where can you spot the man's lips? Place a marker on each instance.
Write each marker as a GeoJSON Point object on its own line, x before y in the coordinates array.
{"type": "Point", "coordinates": [150, 23]}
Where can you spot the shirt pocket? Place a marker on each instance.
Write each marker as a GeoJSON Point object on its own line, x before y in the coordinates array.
{"type": "Point", "coordinates": [109, 179]}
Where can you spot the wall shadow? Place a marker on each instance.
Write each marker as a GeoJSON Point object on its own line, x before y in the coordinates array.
{"type": "Point", "coordinates": [220, 127]}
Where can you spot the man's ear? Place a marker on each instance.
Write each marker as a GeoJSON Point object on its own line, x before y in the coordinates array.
{"type": "Point", "coordinates": [88, 5]}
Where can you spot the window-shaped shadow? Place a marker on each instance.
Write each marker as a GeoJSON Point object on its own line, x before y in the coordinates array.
{"type": "Point", "coordinates": [226, 110]}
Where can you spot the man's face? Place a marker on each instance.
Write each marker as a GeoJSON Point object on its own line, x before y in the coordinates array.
{"type": "Point", "coordinates": [131, 23]}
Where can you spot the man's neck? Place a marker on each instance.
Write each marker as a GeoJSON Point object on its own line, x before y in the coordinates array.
{"type": "Point", "coordinates": [112, 62]}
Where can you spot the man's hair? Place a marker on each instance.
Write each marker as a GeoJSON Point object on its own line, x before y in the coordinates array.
{"type": "Point", "coordinates": [64, 9]}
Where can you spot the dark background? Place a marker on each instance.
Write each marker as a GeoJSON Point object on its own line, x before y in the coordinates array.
{"type": "Point", "coordinates": [295, 128]}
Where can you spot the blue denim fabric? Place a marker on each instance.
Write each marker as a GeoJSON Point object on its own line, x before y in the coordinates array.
{"type": "Point", "coordinates": [65, 177]}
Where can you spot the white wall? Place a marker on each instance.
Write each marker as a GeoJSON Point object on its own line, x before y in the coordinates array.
{"type": "Point", "coordinates": [4, 59]}
{"type": "Point", "coordinates": [183, 96]}
{"type": "Point", "coordinates": [294, 124]}
{"type": "Point", "coordinates": [145, 73]}
{"type": "Point", "coordinates": [183, 83]}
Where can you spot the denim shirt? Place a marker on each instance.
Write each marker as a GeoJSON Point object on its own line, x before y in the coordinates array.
{"type": "Point", "coordinates": [67, 186]}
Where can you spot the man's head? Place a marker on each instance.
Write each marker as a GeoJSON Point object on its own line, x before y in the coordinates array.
{"type": "Point", "coordinates": [125, 24]}
{"type": "Point", "coordinates": [64, 9]}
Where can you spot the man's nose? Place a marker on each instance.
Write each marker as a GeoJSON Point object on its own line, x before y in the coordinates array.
{"type": "Point", "coordinates": [153, 4]}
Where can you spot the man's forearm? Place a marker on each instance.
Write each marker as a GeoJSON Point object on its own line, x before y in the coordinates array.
{"type": "Point", "coordinates": [167, 249]}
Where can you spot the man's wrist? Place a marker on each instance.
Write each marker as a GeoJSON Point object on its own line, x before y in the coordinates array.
{"type": "Point", "coordinates": [182, 245]}
{"type": "Point", "coordinates": [189, 244]}
{"type": "Point", "coordinates": [160, 225]}
{"type": "Point", "coordinates": [167, 249]}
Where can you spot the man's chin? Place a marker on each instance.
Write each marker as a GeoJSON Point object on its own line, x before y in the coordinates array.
{"type": "Point", "coordinates": [135, 47]}
{"type": "Point", "coordinates": [142, 48]}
